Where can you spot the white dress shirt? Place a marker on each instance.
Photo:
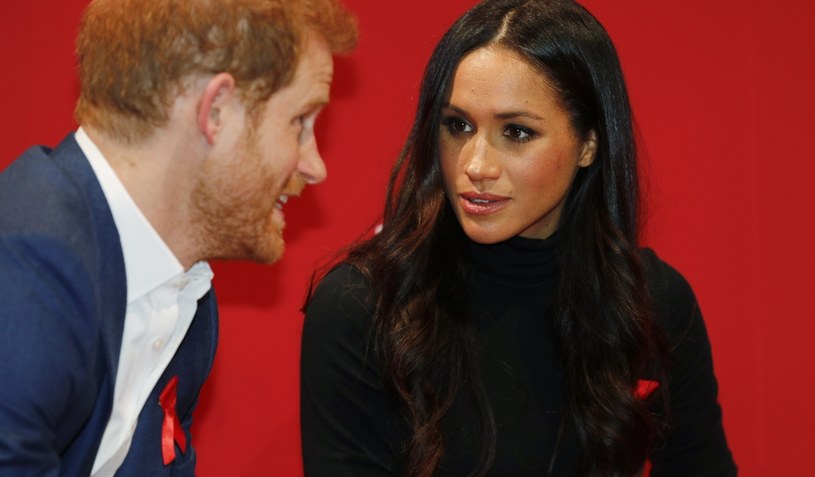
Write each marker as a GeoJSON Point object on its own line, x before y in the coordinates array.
{"type": "Point", "coordinates": [161, 303]}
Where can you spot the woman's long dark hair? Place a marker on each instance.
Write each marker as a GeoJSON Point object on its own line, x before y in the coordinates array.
{"type": "Point", "coordinates": [417, 268]}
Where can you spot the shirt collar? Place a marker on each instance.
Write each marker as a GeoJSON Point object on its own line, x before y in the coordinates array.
{"type": "Point", "coordinates": [149, 262]}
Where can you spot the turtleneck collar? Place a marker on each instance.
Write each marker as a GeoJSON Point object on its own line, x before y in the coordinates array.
{"type": "Point", "coordinates": [517, 260]}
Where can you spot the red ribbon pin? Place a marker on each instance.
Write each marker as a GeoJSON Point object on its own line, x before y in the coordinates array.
{"type": "Point", "coordinates": [645, 387]}
{"type": "Point", "coordinates": [171, 430]}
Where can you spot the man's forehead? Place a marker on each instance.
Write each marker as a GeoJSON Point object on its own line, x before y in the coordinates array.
{"type": "Point", "coordinates": [315, 69]}
{"type": "Point", "coordinates": [316, 58]}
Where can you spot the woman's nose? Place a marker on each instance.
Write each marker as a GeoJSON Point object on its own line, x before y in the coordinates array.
{"type": "Point", "coordinates": [480, 163]}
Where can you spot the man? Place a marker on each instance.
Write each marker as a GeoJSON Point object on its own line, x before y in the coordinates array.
{"type": "Point", "coordinates": [196, 125]}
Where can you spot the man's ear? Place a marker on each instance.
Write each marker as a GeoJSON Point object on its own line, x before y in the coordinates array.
{"type": "Point", "coordinates": [217, 92]}
{"type": "Point", "coordinates": [589, 150]}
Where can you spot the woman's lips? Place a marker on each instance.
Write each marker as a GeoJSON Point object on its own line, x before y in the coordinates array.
{"type": "Point", "coordinates": [482, 204]}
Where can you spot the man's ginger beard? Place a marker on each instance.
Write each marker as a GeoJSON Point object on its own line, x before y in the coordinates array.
{"type": "Point", "coordinates": [234, 200]}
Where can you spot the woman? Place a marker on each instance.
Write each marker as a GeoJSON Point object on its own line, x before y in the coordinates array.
{"type": "Point", "coordinates": [505, 322]}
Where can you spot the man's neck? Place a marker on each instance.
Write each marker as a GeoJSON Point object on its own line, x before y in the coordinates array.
{"type": "Point", "coordinates": [158, 174]}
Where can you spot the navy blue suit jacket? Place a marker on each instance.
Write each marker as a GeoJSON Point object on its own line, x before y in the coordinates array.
{"type": "Point", "coordinates": [62, 308]}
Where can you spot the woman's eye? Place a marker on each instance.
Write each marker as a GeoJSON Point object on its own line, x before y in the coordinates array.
{"type": "Point", "coordinates": [519, 133]}
{"type": "Point", "coordinates": [457, 126]}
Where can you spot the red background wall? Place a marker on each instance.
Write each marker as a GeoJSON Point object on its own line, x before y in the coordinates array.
{"type": "Point", "coordinates": [721, 92]}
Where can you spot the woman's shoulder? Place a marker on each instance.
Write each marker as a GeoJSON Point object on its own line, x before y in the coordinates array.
{"type": "Point", "coordinates": [342, 277]}
{"type": "Point", "coordinates": [663, 278]}
{"type": "Point", "coordinates": [342, 297]}
{"type": "Point", "coordinates": [672, 295]}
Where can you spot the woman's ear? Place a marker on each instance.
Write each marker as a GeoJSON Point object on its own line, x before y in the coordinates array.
{"type": "Point", "coordinates": [217, 92]}
{"type": "Point", "coordinates": [589, 150]}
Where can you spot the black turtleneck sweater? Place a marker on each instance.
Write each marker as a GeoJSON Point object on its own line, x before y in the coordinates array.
{"type": "Point", "coordinates": [350, 425]}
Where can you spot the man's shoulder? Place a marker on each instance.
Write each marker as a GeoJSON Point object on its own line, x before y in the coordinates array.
{"type": "Point", "coordinates": [52, 194]}
{"type": "Point", "coordinates": [56, 228]}
{"type": "Point", "coordinates": [43, 188]}
{"type": "Point", "coordinates": [38, 164]}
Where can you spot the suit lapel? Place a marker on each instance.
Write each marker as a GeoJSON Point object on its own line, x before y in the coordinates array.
{"type": "Point", "coordinates": [69, 157]}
